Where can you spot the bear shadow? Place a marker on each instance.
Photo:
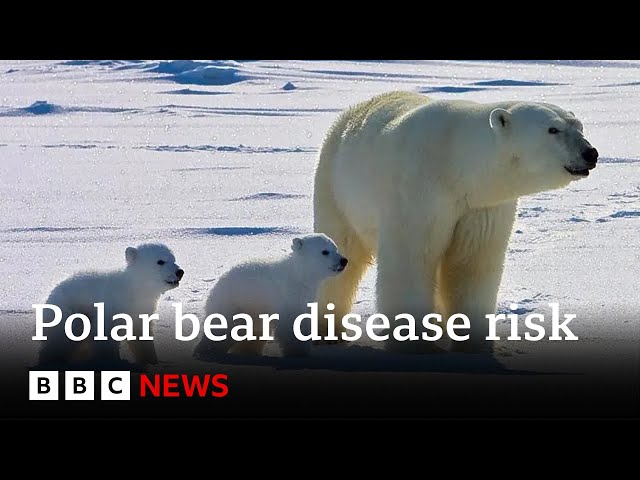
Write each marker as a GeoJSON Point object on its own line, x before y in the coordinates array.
{"type": "Point", "coordinates": [358, 358]}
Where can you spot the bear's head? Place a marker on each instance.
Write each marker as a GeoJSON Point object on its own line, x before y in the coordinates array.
{"type": "Point", "coordinates": [320, 255]}
{"type": "Point", "coordinates": [154, 267]}
{"type": "Point", "coordinates": [544, 143]}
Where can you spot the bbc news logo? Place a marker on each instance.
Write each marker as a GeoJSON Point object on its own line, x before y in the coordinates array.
{"type": "Point", "coordinates": [116, 385]}
{"type": "Point", "coordinates": [79, 385]}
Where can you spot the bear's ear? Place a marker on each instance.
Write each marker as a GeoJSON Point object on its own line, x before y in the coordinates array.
{"type": "Point", "coordinates": [130, 254]}
{"type": "Point", "coordinates": [296, 244]}
{"type": "Point", "coordinates": [500, 119]}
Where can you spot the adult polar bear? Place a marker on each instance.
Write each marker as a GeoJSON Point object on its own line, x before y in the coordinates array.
{"type": "Point", "coordinates": [429, 189]}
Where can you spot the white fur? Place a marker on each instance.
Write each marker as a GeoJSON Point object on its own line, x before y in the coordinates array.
{"type": "Point", "coordinates": [133, 290]}
{"type": "Point", "coordinates": [268, 286]}
{"type": "Point", "coordinates": [429, 189]}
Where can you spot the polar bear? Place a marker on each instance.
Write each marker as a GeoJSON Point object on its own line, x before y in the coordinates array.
{"type": "Point", "coordinates": [281, 286]}
{"type": "Point", "coordinates": [429, 188]}
{"type": "Point", "coordinates": [151, 270]}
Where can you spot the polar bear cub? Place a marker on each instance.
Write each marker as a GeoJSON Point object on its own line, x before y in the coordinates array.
{"type": "Point", "coordinates": [151, 270]}
{"type": "Point", "coordinates": [284, 286]}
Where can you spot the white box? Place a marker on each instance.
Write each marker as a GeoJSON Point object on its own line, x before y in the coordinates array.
{"type": "Point", "coordinates": [43, 385]}
{"type": "Point", "coordinates": [115, 385]}
{"type": "Point", "coordinates": [78, 385]}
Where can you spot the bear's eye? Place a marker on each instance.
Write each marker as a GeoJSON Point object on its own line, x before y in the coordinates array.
{"type": "Point", "coordinates": [325, 252]}
{"type": "Point", "coordinates": [161, 262]}
{"type": "Point", "coordinates": [553, 130]}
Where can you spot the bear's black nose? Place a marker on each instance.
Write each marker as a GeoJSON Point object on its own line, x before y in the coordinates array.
{"type": "Point", "coordinates": [344, 261]}
{"type": "Point", "coordinates": [179, 274]}
{"type": "Point", "coordinates": [590, 155]}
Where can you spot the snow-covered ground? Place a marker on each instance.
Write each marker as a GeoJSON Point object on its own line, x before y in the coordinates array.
{"type": "Point", "coordinates": [216, 159]}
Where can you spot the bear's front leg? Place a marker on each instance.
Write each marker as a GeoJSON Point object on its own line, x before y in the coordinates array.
{"type": "Point", "coordinates": [144, 351]}
{"type": "Point", "coordinates": [471, 271]}
{"type": "Point", "coordinates": [290, 345]}
{"type": "Point", "coordinates": [407, 260]}
{"type": "Point", "coordinates": [106, 353]}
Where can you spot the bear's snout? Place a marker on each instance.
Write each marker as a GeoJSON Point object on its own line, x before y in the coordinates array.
{"type": "Point", "coordinates": [180, 274]}
{"type": "Point", "coordinates": [590, 155]}
{"type": "Point", "coordinates": [341, 265]}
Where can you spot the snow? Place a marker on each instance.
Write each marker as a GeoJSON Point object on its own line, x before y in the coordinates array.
{"type": "Point", "coordinates": [100, 155]}
{"type": "Point", "coordinates": [201, 73]}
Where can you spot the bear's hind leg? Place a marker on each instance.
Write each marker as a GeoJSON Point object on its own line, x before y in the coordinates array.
{"type": "Point", "coordinates": [210, 350]}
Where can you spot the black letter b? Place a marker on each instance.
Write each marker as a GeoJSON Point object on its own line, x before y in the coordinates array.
{"type": "Point", "coordinates": [79, 385]}
{"type": "Point", "coordinates": [43, 385]}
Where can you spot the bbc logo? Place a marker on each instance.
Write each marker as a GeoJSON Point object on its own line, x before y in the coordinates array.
{"type": "Point", "coordinates": [79, 385]}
